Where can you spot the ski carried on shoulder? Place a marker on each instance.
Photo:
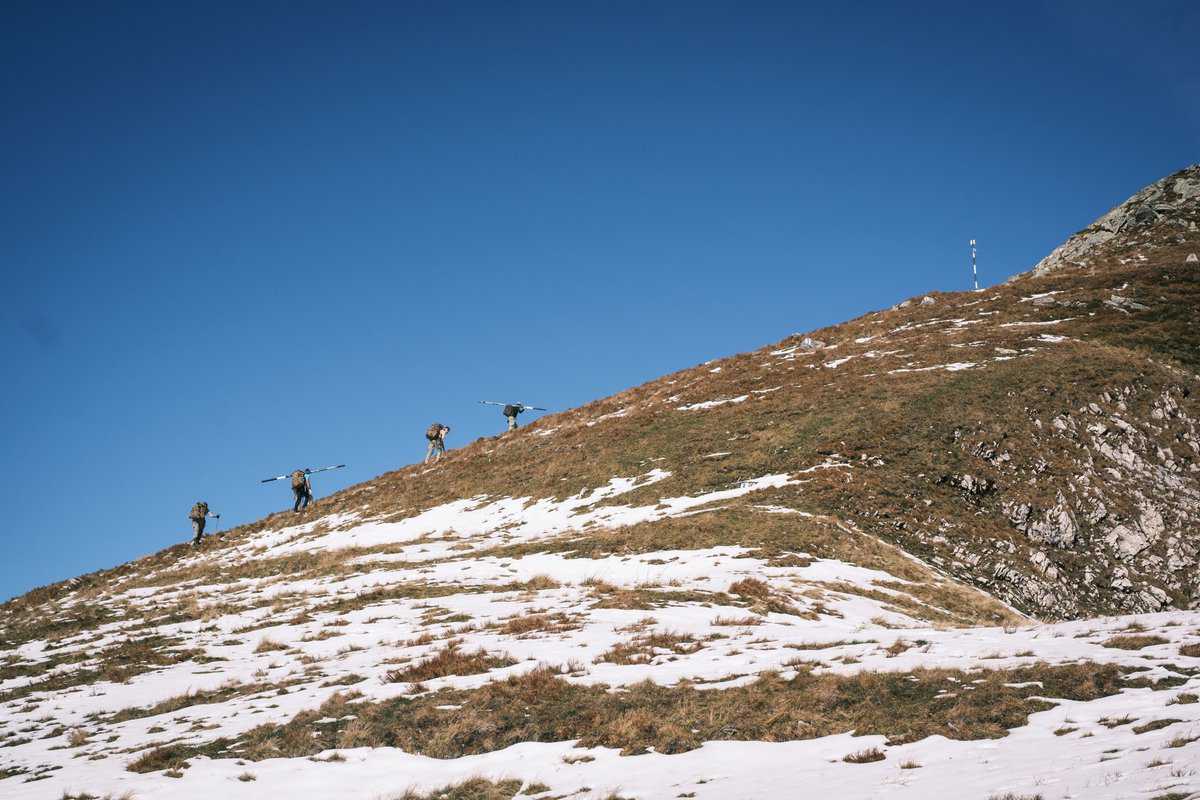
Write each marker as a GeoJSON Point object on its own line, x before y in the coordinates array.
{"type": "Point", "coordinates": [521, 406]}
{"type": "Point", "coordinates": [306, 472]}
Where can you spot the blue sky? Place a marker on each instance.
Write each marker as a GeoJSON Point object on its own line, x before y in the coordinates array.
{"type": "Point", "coordinates": [240, 240]}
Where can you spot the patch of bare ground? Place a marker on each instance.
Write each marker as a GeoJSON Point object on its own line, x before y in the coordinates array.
{"type": "Point", "coordinates": [540, 706]}
{"type": "Point", "coordinates": [864, 756]}
{"type": "Point", "coordinates": [165, 757]}
{"type": "Point", "coordinates": [1116, 722]}
{"type": "Point", "coordinates": [762, 599]}
{"type": "Point", "coordinates": [450, 660]}
{"type": "Point", "coordinates": [643, 599]}
{"type": "Point", "coordinates": [1190, 650]}
{"type": "Point", "coordinates": [1181, 741]}
{"type": "Point", "coordinates": [827, 645]}
{"type": "Point", "coordinates": [473, 789]}
{"type": "Point", "coordinates": [644, 649]}
{"type": "Point", "coordinates": [527, 624]}
{"type": "Point", "coordinates": [1133, 642]}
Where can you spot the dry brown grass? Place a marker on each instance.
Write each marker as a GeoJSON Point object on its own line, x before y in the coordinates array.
{"type": "Point", "coordinates": [266, 645]}
{"type": "Point", "coordinates": [1133, 642]}
{"type": "Point", "coordinates": [161, 758]}
{"type": "Point", "coordinates": [526, 624]}
{"type": "Point", "coordinates": [641, 599]}
{"type": "Point", "coordinates": [473, 789]}
{"type": "Point", "coordinates": [865, 756]}
{"type": "Point", "coordinates": [1181, 741]}
{"type": "Point", "coordinates": [450, 660]}
{"type": "Point", "coordinates": [1116, 722]}
{"type": "Point", "coordinates": [1190, 650]}
{"type": "Point", "coordinates": [827, 645]}
{"type": "Point", "coordinates": [541, 583]}
{"type": "Point", "coordinates": [644, 649]}
{"type": "Point", "coordinates": [751, 588]}
{"type": "Point", "coordinates": [541, 706]}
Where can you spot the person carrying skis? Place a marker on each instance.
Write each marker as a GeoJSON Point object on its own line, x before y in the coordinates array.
{"type": "Point", "coordinates": [302, 489]}
{"type": "Point", "coordinates": [436, 434]}
{"type": "Point", "coordinates": [510, 413]}
{"type": "Point", "coordinates": [198, 515]}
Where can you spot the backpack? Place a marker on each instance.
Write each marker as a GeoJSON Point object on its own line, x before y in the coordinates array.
{"type": "Point", "coordinates": [434, 432]}
{"type": "Point", "coordinates": [511, 410]}
{"type": "Point", "coordinates": [199, 511]}
{"type": "Point", "coordinates": [298, 480]}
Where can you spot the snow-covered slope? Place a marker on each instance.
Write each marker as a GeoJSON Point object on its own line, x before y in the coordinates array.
{"type": "Point", "coordinates": [835, 563]}
{"type": "Point", "coordinates": [712, 618]}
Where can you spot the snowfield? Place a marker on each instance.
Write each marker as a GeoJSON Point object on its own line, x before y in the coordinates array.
{"type": "Point", "coordinates": [286, 638]}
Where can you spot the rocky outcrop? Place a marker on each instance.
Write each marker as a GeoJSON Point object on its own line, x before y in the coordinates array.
{"type": "Point", "coordinates": [1167, 200]}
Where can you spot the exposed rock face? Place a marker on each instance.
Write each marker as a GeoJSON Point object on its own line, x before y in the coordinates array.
{"type": "Point", "coordinates": [1167, 200]}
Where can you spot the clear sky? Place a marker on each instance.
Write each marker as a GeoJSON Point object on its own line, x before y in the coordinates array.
{"type": "Point", "coordinates": [240, 240]}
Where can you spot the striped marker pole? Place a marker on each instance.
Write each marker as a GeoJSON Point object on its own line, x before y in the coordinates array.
{"type": "Point", "coordinates": [974, 270]}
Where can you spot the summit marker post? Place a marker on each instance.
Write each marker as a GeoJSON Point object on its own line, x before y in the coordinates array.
{"type": "Point", "coordinates": [974, 271]}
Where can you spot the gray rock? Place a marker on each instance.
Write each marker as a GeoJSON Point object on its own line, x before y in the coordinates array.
{"type": "Point", "coordinates": [1056, 528]}
{"type": "Point", "coordinates": [1163, 199]}
{"type": "Point", "coordinates": [973, 485]}
{"type": "Point", "coordinates": [1018, 514]}
{"type": "Point", "coordinates": [1120, 581]}
{"type": "Point", "coordinates": [1125, 304]}
{"type": "Point", "coordinates": [1127, 540]}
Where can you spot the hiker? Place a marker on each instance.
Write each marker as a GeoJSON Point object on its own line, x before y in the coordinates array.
{"type": "Point", "coordinates": [511, 410]}
{"type": "Point", "coordinates": [198, 515]}
{"type": "Point", "coordinates": [437, 441]}
{"type": "Point", "coordinates": [302, 489]}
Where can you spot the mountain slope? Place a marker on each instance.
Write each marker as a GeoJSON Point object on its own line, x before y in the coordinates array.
{"type": "Point", "coordinates": [849, 531]}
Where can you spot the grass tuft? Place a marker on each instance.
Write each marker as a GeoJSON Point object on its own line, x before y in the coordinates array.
{"type": "Point", "coordinates": [865, 756]}
{"type": "Point", "coordinates": [450, 660]}
{"type": "Point", "coordinates": [1133, 642]}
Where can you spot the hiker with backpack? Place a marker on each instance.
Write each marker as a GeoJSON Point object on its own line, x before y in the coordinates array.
{"type": "Point", "coordinates": [302, 490]}
{"type": "Point", "coordinates": [199, 515]}
{"type": "Point", "coordinates": [436, 434]}
{"type": "Point", "coordinates": [511, 410]}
